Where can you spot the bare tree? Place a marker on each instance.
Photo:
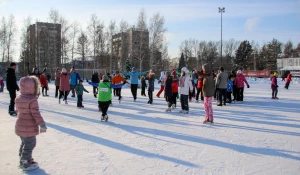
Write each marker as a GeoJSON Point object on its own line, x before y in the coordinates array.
{"type": "Point", "coordinates": [109, 45]}
{"type": "Point", "coordinates": [124, 26]}
{"type": "Point", "coordinates": [92, 31]}
{"type": "Point", "coordinates": [3, 35]}
{"type": "Point", "coordinates": [202, 51]}
{"type": "Point", "coordinates": [74, 32]}
{"type": "Point", "coordinates": [54, 16]}
{"type": "Point", "coordinates": [82, 48]}
{"type": "Point", "coordinates": [11, 32]}
{"type": "Point", "coordinates": [24, 55]}
{"type": "Point", "coordinates": [288, 49]}
{"type": "Point", "coordinates": [65, 39]}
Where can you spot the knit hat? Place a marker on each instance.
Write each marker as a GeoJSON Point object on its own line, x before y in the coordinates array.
{"type": "Point", "coordinates": [239, 72]}
{"type": "Point", "coordinates": [64, 70]}
{"type": "Point", "coordinates": [168, 73]}
{"type": "Point", "coordinates": [80, 81]}
{"type": "Point", "coordinates": [275, 74]}
{"type": "Point", "coordinates": [133, 69]}
{"type": "Point", "coordinates": [105, 78]}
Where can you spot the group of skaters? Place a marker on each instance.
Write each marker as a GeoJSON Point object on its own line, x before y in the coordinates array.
{"type": "Point", "coordinates": [184, 85]}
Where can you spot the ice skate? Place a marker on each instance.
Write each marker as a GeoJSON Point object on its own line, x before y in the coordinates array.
{"type": "Point", "coordinates": [173, 106]}
{"type": "Point", "coordinates": [66, 102]}
{"type": "Point", "coordinates": [106, 118]}
{"type": "Point", "coordinates": [181, 111]}
{"type": "Point", "coordinates": [168, 110]}
{"type": "Point", "coordinates": [59, 101]}
{"type": "Point", "coordinates": [27, 166]}
{"type": "Point", "coordinates": [185, 112]}
{"type": "Point", "coordinates": [12, 113]}
{"type": "Point", "coordinates": [197, 101]}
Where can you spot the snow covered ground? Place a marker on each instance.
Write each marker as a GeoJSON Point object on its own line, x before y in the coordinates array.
{"type": "Point", "coordinates": [261, 136]}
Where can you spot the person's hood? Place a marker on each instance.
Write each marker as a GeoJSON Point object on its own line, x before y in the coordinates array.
{"type": "Point", "coordinates": [29, 85]}
{"type": "Point", "coordinates": [207, 67]}
{"type": "Point", "coordinates": [162, 74]}
{"type": "Point", "coordinates": [185, 70]}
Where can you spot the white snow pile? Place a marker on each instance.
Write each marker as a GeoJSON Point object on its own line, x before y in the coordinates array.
{"type": "Point", "coordinates": [260, 136]}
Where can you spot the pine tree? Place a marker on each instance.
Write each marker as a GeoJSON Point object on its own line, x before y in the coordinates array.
{"type": "Point", "coordinates": [181, 62]}
{"type": "Point", "coordinates": [243, 54]}
{"type": "Point", "coordinates": [128, 65]}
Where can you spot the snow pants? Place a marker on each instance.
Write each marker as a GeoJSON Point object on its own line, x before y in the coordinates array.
{"type": "Point", "coordinates": [274, 92]}
{"type": "Point", "coordinates": [287, 85]}
{"type": "Point", "coordinates": [12, 95]}
{"type": "Point", "coordinates": [208, 109]}
{"type": "Point", "coordinates": [150, 95]}
{"type": "Point", "coordinates": [134, 88]}
{"type": "Point", "coordinates": [79, 100]}
{"type": "Point", "coordinates": [56, 91]}
{"type": "Point", "coordinates": [104, 106]}
{"type": "Point", "coordinates": [239, 94]}
{"type": "Point", "coordinates": [143, 92]}
{"type": "Point", "coordinates": [199, 91]}
{"type": "Point", "coordinates": [63, 93]}
{"type": "Point", "coordinates": [162, 88]}
{"type": "Point", "coordinates": [118, 92]}
{"type": "Point", "coordinates": [26, 147]}
{"type": "Point", "coordinates": [184, 99]}
{"type": "Point", "coordinates": [174, 98]}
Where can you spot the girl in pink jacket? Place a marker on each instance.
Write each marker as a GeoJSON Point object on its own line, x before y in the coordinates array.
{"type": "Point", "coordinates": [239, 83]}
{"type": "Point", "coordinates": [29, 120]}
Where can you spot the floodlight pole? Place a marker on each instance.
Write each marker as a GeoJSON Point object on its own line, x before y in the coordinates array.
{"type": "Point", "coordinates": [221, 10]}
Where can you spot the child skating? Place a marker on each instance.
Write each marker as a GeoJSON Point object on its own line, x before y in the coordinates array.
{"type": "Point", "coordinates": [44, 85]}
{"type": "Point", "coordinates": [79, 91]}
{"type": "Point", "coordinates": [274, 86]}
{"type": "Point", "coordinates": [105, 95]}
{"type": "Point", "coordinates": [208, 92]}
{"type": "Point", "coordinates": [29, 122]}
{"type": "Point", "coordinates": [168, 90]}
{"type": "Point", "coordinates": [174, 89]}
{"type": "Point", "coordinates": [186, 86]}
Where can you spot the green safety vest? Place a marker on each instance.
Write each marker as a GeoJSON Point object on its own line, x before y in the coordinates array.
{"type": "Point", "coordinates": [104, 92]}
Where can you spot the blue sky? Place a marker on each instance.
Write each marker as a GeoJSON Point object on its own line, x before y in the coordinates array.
{"type": "Point", "coordinates": [259, 20]}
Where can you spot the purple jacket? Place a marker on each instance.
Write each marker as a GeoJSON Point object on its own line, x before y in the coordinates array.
{"type": "Point", "coordinates": [274, 82]}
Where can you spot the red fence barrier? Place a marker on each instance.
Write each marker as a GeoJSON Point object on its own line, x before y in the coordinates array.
{"type": "Point", "coordinates": [257, 73]}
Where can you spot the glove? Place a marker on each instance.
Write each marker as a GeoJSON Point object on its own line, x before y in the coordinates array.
{"type": "Point", "coordinates": [88, 92]}
{"type": "Point", "coordinates": [43, 127]}
{"type": "Point", "coordinates": [248, 86]}
{"type": "Point", "coordinates": [18, 89]}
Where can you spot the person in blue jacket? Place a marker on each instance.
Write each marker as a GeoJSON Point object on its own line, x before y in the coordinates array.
{"type": "Point", "coordinates": [134, 80]}
{"type": "Point", "coordinates": [74, 78]}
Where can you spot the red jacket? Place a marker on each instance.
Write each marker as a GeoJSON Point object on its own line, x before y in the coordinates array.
{"type": "Point", "coordinates": [289, 78]}
{"type": "Point", "coordinates": [29, 116]}
{"type": "Point", "coordinates": [240, 80]}
{"type": "Point", "coordinates": [43, 81]}
{"type": "Point", "coordinates": [200, 82]}
{"type": "Point", "coordinates": [175, 86]}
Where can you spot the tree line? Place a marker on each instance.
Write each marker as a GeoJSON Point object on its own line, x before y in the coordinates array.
{"type": "Point", "coordinates": [236, 54]}
{"type": "Point", "coordinates": [93, 42]}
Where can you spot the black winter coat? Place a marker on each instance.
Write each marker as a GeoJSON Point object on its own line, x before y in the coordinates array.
{"type": "Point", "coordinates": [151, 83]}
{"type": "Point", "coordinates": [11, 80]}
{"type": "Point", "coordinates": [95, 78]}
{"type": "Point", "coordinates": [143, 82]}
{"type": "Point", "coordinates": [168, 87]}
